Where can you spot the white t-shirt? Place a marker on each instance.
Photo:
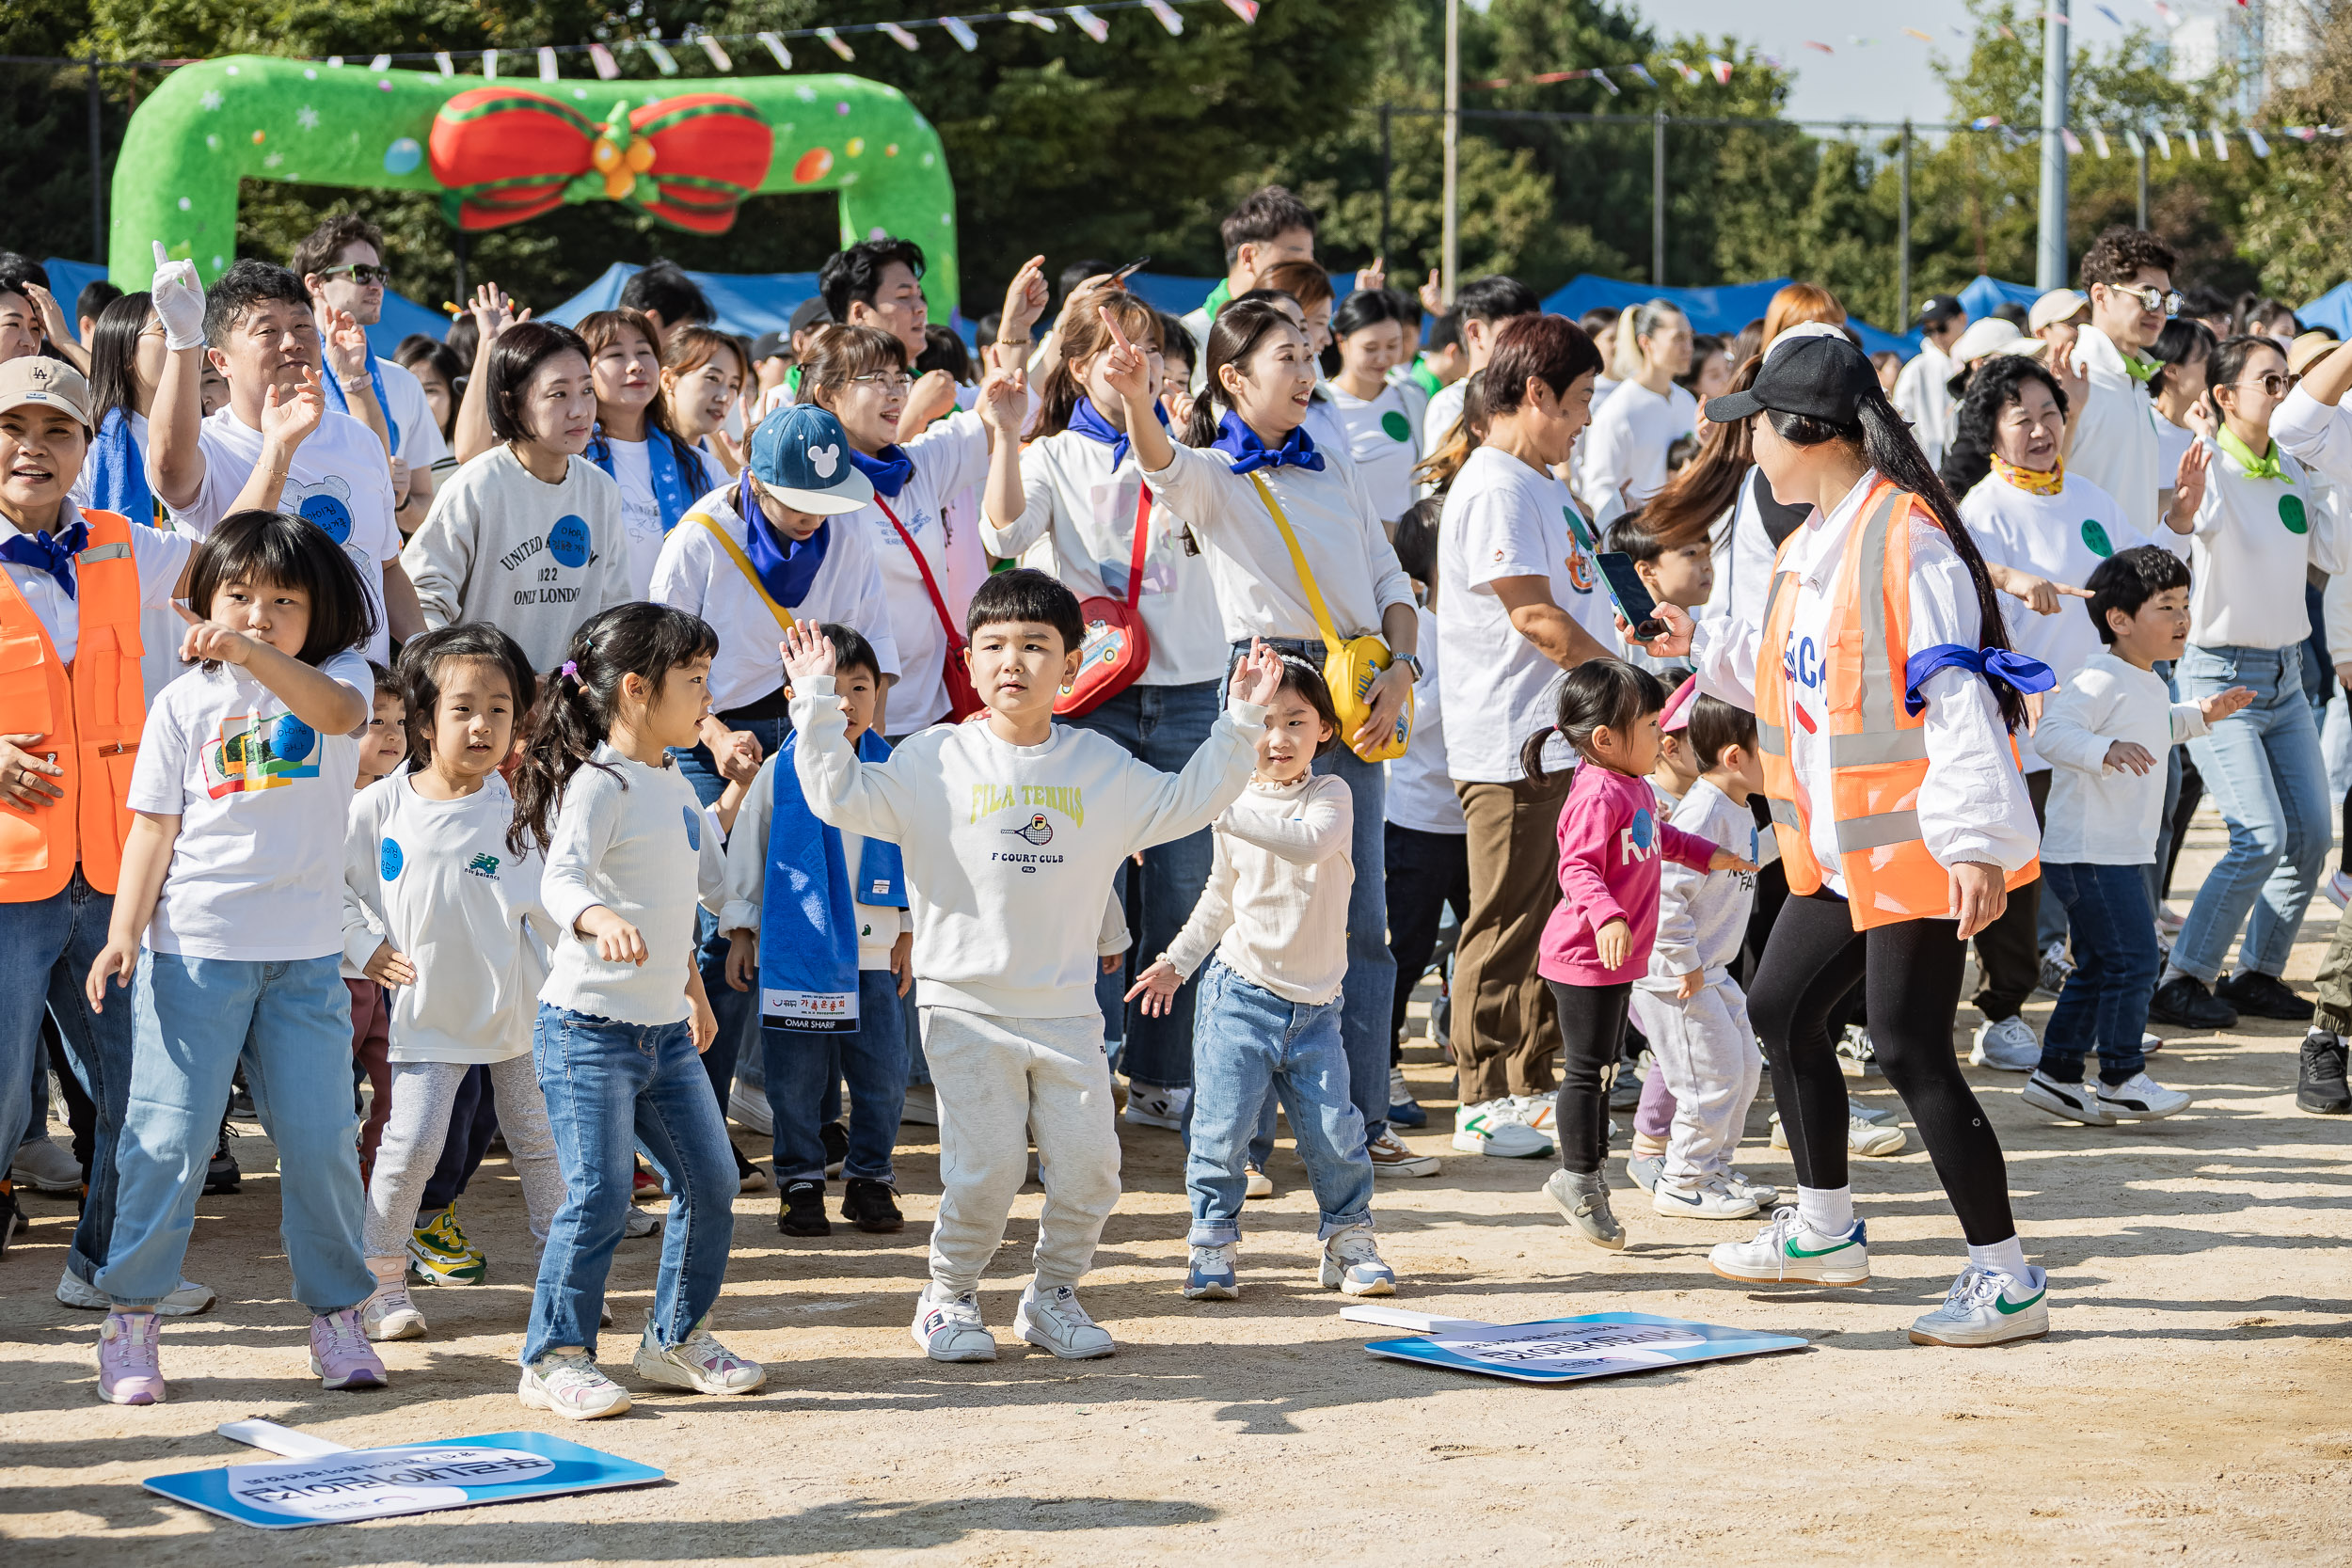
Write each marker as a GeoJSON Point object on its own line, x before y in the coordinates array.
{"type": "Point", "coordinates": [641, 514]}
{"type": "Point", "coordinates": [1444, 413]}
{"type": "Point", "coordinates": [2113, 443]}
{"type": "Point", "coordinates": [1421, 790]}
{"type": "Point", "coordinates": [340, 480]}
{"type": "Point", "coordinates": [420, 445]}
{"type": "Point", "coordinates": [949, 457]}
{"type": "Point", "coordinates": [1625, 452]}
{"type": "Point", "coordinates": [2256, 540]}
{"type": "Point", "coordinates": [262, 799]}
{"type": "Point", "coordinates": [1923, 395]}
{"type": "Point", "coordinates": [1503, 518]}
{"type": "Point", "coordinates": [1381, 440]}
{"type": "Point", "coordinates": [2172, 444]}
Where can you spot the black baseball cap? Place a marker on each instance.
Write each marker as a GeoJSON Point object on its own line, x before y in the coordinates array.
{"type": "Point", "coordinates": [1939, 307]}
{"type": "Point", "coordinates": [811, 311]}
{"type": "Point", "coordinates": [1822, 378]}
{"type": "Point", "coordinates": [770, 345]}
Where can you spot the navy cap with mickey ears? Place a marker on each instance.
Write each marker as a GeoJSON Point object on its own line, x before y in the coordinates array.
{"type": "Point", "coordinates": [801, 455]}
{"type": "Point", "coordinates": [1822, 377]}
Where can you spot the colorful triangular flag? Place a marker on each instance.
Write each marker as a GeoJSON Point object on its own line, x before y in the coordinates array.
{"type": "Point", "coordinates": [961, 32]}
{"type": "Point", "coordinates": [1602, 77]}
{"type": "Point", "coordinates": [489, 65]}
{"type": "Point", "coordinates": [2254, 140]}
{"type": "Point", "coordinates": [1087, 23]}
{"type": "Point", "coordinates": [662, 61]}
{"type": "Point", "coordinates": [607, 67]}
{"type": "Point", "coordinates": [1167, 16]}
{"type": "Point", "coordinates": [898, 35]}
{"type": "Point", "coordinates": [1042, 23]}
{"type": "Point", "coordinates": [549, 71]}
{"type": "Point", "coordinates": [1246, 10]}
{"type": "Point", "coordinates": [718, 54]}
{"type": "Point", "coordinates": [774, 46]}
{"type": "Point", "coordinates": [836, 43]}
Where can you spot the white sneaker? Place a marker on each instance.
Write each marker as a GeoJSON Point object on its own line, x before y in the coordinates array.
{"type": "Point", "coordinates": [1864, 1137]}
{"type": "Point", "coordinates": [1151, 1107]}
{"type": "Point", "coordinates": [1390, 1157]}
{"type": "Point", "coordinates": [2008, 1046]}
{"type": "Point", "coordinates": [1535, 1110]}
{"type": "Point", "coordinates": [2071, 1102]}
{"type": "Point", "coordinates": [2338, 888]}
{"type": "Point", "coordinates": [1494, 1128]}
{"type": "Point", "coordinates": [1857, 1057]}
{"type": "Point", "coordinates": [1255, 1181]}
{"type": "Point", "coordinates": [1785, 1251]}
{"type": "Point", "coordinates": [641, 1222]}
{"type": "Point", "coordinates": [1988, 1306]}
{"type": "Point", "coordinates": [1056, 1322]}
{"type": "Point", "coordinates": [921, 1105]}
{"type": "Point", "coordinates": [570, 1386]}
{"type": "Point", "coordinates": [1762, 1194]}
{"type": "Point", "coordinates": [46, 1166]}
{"type": "Point", "coordinates": [2169, 919]}
{"type": "Point", "coordinates": [950, 1328]}
{"type": "Point", "coordinates": [698, 1362]}
{"type": "Point", "coordinates": [185, 1302]}
{"type": "Point", "coordinates": [2056, 967]}
{"type": "Point", "coordinates": [389, 1314]}
{"type": "Point", "coordinates": [1209, 1274]}
{"type": "Point", "coordinates": [1352, 1265]}
{"type": "Point", "coordinates": [1707, 1199]}
{"type": "Point", "coordinates": [2141, 1098]}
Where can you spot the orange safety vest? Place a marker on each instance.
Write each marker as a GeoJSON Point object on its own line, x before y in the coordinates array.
{"type": "Point", "coordinates": [1878, 753]}
{"type": "Point", "coordinates": [87, 716]}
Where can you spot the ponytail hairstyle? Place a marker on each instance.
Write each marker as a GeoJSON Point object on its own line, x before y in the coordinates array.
{"type": "Point", "coordinates": [577, 704]}
{"type": "Point", "coordinates": [1648, 320]}
{"type": "Point", "coordinates": [1881, 438]}
{"type": "Point", "coordinates": [418, 679]}
{"type": "Point", "coordinates": [1703, 494]}
{"type": "Point", "coordinates": [1599, 693]}
{"type": "Point", "coordinates": [1999, 381]}
{"type": "Point", "coordinates": [1081, 338]}
{"type": "Point", "coordinates": [1238, 331]}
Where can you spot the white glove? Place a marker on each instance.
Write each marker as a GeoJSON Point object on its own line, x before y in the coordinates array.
{"type": "Point", "coordinates": [179, 301]}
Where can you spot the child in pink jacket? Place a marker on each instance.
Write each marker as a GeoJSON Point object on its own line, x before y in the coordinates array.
{"type": "Point", "coordinates": [1597, 942]}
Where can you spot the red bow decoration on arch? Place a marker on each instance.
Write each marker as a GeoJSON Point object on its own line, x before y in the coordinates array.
{"type": "Point", "coordinates": [504, 154]}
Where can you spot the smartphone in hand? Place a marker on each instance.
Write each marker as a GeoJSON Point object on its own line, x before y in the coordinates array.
{"type": "Point", "coordinates": [1630, 594]}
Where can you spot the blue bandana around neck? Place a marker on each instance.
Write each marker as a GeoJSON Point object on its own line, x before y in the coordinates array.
{"type": "Point", "coordinates": [889, 469]}
{"type": "Point", "coordinates": [674, 488]}
{"type": "Point", "coordinates": [118, 471]}
{"type": "Point", "coordinates": [1251, 453]}
{"type": "Point", "coordinates": [1088, 420]}
{"type": "Point", "coordinates": [342, 403]}
{"type": "Point", "coordinates": [47, 553]}
{"type": "Point", "coordinates": [808, 920]}
{"type": "Point", "coordinates": [786, 569]}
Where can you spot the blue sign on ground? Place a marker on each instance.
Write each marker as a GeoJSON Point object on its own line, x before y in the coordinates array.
{"type": "Point", "coordinates": [1569, 1350]}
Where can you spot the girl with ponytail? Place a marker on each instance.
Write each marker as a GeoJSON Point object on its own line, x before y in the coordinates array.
{"type": "Point", "coordinates": [1884, 692]}
{"type": "Point", "coordinates": [622, 1018]}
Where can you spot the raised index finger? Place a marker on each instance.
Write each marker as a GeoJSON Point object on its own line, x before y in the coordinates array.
{"type": "Point", "coordinates": [186, 615]}
{"type": "Point", "coordinates": [2071, 590]}
{"type": "Point", "coordinates": [1111, 322]}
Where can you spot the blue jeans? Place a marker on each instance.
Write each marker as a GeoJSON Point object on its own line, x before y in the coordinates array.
{"type": "Point", "coordinates": [611, 1087]}
{"type": "Point", "coordinates": [47, 946]}
{"type": "Point", "coordinates": [2116, 962]}
{"type": "Point", "coordinates": [193, 1020]}
{"type": "Point", "coordinates": [736, 1011]}
{"type": "Point", "coordinates": [1369, 989]}
{"type": "Point", "coordinates": [2263, 767]}
{"type": "Point", "coordinates": [799, 1067]}
{"type": "Point", "coordinates": [1160, 727]}
{"type": "Point", "coordinates": [1248, 1043]}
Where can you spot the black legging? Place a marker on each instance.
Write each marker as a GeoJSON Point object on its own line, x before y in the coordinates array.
{"type": "Point", "coordinates": [1814, 957]}
{"type": "Point", "coordinates": [1592, 1025]}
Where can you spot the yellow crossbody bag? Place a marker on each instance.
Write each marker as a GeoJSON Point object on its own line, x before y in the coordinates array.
{"type": "Point", "coordinates": [1349, 665]}
{"type": "Point", "coordinates": [743, 563]}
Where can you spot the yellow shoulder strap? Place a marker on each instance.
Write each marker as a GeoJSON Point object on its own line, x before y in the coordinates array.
{"type": "Point", "coordinates": [1331, 639]}
{"type": "Point", "coordinates": [743, 563]}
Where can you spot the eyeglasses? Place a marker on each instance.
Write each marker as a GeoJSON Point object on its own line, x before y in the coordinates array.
{"type": "Point", "coordinates": [2152, 298]}
{"type": "Point", "coordinates": [2277, 384]}
{"type": "Point", "coordinates": [889, 381]}
{"type": "Point", "coordinates": [361, 273]}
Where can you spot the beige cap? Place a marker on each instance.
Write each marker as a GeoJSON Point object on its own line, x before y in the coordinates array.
{"type": "Point", "coordinates": [53, 382]}
{"type": "Point", "coordinates": [2056, 306]}
{"type": "Point", "coordinates": [1985, 334]}
{"type": "Point", "coordinates": [2309, 349]}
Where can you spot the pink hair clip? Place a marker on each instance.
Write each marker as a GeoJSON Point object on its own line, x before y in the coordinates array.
{"type": "Point", "coordinates": [1676, 713]}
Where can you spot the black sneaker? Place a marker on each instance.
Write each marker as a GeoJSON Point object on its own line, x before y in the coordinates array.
{"type": "Point", "coordinates": [222, 1175]}
{"type": "Point", "coordinates": [748, 1177]}
{"type": "Point", "coordinates": [804, 1210]}
{"type": "Point", "coordinates": [2320, 1087]}
{"type": "Point", "coordinates": [2184, 1002]}
{"type": "Point", "coordinates": [871, 1206]}
{"type": "Point", "coordinates": [836, 1140]}
{"type": "Point", "coordinates": [2258, 995]}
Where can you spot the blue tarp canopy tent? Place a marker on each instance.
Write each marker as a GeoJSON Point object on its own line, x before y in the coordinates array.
{"type": "Point", "coordinates": [1984, 295]}
{"type": "Point", "coordinates": [1723, 309]}
{"type": "Point", "coordinates": [2332, 310]}
{"type": "Point", "coordinates": [401, 316]}
{"type": "Point", "coordinates": [748, 303]}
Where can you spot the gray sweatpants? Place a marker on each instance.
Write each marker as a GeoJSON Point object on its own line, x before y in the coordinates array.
{"type": "Point", "coordinates": [423, 1093]}
{"type": "Point", "coordinates": [1707, 1053]}
{"type": "Point", "coordinates": [1001, 1081]}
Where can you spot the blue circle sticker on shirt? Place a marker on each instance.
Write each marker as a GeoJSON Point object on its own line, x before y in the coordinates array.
{"type": "Point", "coordinates": [330, 515]}
{"type": "Point", "coordinates": [389, 861]}
{"type": "Point", "coordinates": [567, 541]}
{"type": "Point", "coordinates": [693, 829]}
{"type": "Point", "coordinates": [290, 740]}
{"type": "Point", "coordinates": [1644, 829]}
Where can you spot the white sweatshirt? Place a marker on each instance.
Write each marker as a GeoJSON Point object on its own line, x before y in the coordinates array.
{"type": "Point", "coordinates": [878, 925]}
{"type": "Point", "coordinates": [2113, 444]}
{"type": "Point", "coordinates": [1274, 907]}
{"type": "Point", "coordinates": [436, 880]}
{"type": "Point", "coordinates": [2255, 542]}
{"type": "Point", "coordinates": [1008, 850]}
{"type": "Point", "coordinates": [1703, 915]}
{"type": "Point", "coordinates": [1624, 456]}
{"type": "Point", "coordinates": [634, 839]}
{"type": "Point", "coordinates": [1923, 395]}
{"type": "Point", "coordinates": [2097, 815]}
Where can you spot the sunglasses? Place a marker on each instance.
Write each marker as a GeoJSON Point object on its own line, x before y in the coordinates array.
{"type": "Point", "coordinates": [361, 273]}
{"type": "Point", "coordinates": [2277, 384]}
{"type": "Point", "coordinates": [2152, 298]}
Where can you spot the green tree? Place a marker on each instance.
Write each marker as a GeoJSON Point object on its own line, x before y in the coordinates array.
{"type": "Point", "coordinates": [2295, 222]}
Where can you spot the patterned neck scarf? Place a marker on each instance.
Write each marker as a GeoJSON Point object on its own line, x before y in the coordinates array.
{"type": "Point", "coordinates": [2030, 481]}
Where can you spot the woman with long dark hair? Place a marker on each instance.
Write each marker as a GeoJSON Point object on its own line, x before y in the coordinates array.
{"type": "Point", "coordinates": [1885, 694]}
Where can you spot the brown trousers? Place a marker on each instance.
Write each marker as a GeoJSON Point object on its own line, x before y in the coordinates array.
{"type": "Point", "coordinates": [1505, 1030]}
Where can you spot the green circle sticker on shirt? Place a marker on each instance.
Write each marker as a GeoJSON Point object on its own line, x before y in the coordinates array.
{"type": "Point", "coordinates": [1397, 425]}
{"type": "Point", "coordinates": [2096, 538]}
{"type": "Point", "coordinates": [2291, 514]}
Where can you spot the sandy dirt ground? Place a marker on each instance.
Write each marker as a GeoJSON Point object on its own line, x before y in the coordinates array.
{"type": "Point", "coordinates": [2192, 1403]}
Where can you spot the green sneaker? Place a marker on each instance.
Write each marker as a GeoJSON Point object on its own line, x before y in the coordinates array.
{"type": "Point", "coordinates": [438, 1253]}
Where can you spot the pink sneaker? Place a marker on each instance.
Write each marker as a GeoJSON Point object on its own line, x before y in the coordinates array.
{"type": "Point", "coordinates": [127, 1370]}
{"type": "Point", "coordinates": [341, 1355]}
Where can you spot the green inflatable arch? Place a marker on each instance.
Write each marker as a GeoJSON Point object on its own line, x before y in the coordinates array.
{"type": "Point", "coordinates": [500, 151]}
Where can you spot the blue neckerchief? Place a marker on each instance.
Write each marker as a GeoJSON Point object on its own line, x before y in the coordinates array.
{"type": "Point", "coordinates": [1088, 420]}
{"type": "Point", "coordinates": [674, 490]}
{"type": "Point", "coordinates": [889, 469]}
{"type": "Point", "coordinates": [1250, 453]}
{"type": "Point", "coordinates": [118, 471]}
{"type": "Point", "coordinates": [342, 404]}
{"type": "Point", "coordinates": [1993, 664]}
{"type": "Point", "coordinates": [807, 917]}
{"type": "Point", "coordinates": [785, 569]}
{"type": "Point", "coordinates": [52, 555]}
